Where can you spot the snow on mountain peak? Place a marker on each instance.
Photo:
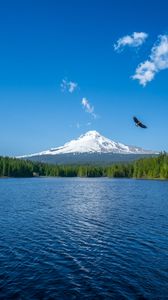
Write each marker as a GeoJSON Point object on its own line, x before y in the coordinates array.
{"type": "Point", "coordinates": [91, 133]}
{"type": "Point", "coordinates": [93, 142]}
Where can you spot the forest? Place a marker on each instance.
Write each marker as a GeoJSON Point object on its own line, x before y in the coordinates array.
{"type": "Point", "coordinates": [147, 168]}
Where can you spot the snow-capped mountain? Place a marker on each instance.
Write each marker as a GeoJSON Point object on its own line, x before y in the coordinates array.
{"type": "Point", "coordinates": [92, 142]}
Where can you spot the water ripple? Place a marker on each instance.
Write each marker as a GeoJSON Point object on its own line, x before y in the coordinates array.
{"type": "Point", "coordinates": [83, 239]}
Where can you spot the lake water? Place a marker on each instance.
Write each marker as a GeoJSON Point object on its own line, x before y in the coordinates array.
{"type": "Point", "coordinates": [83, 239]}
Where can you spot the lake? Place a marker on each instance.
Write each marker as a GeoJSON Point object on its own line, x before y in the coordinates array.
{"type": "Point", "coordinates": [83, 239]}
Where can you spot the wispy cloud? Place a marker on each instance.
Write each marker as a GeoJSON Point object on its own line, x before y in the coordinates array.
{"type": "Point", "coordinates": [69, 86]}
{"type": "Point", "coordinates": [79, 125]}
{"type": "Point", "coordinates": [88, 107]}
{"type": "Point", "coordinates": [134, 40]}
{"type": "Point", "coordinates": [158, 60]}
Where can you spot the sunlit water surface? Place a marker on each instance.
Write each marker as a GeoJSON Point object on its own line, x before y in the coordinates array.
{"type": "Point", "coordinates": [83, 239]}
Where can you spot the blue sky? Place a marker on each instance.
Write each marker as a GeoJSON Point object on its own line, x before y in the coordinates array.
{"type": "Point", "coordinates": [45, 42]}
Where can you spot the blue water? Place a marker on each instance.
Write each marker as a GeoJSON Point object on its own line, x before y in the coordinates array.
{"type": "Point", "coordinates": [83, 239]}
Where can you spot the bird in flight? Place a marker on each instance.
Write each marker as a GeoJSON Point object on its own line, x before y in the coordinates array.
{"type": "Point", "coordinates": [139, 123]}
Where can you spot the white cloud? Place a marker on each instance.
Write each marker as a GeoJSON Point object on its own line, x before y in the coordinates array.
{"type": "Point", "coordinates": [134, 40]}
{"type": "Point", "coordinates": [69, 86]}
{"type": "Point", "coordinates": [158, 60]}
{"type": "Point", "coordinates": [88, 107]}
{"type": "Point", "coordinates": [79, 125]}
{"type": "Point", "coordinates": [145, 72]}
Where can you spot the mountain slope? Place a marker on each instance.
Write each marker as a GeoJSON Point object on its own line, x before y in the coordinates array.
{"type": "Point", "coordinates": [93, 142]}
{"type": "Point", "coordinates": [90, 148]}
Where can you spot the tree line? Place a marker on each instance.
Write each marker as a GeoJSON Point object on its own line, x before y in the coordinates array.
{"type": "Point", "coordinates": [153, 167]}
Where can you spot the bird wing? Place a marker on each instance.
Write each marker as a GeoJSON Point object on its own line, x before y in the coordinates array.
{"type": "Point", "coordinates": [138, 123]}
{"type": "Point", "coordinates": [142, 125]}
{"type": "Point", "coordinates": [135, 120]}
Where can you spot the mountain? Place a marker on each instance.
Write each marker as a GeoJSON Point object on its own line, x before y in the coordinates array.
{"type": "Point", "coordinates": [90, 147]}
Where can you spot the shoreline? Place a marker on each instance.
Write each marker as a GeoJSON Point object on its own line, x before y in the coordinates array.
{"type": "Point", "coordinates": [84, 177]}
